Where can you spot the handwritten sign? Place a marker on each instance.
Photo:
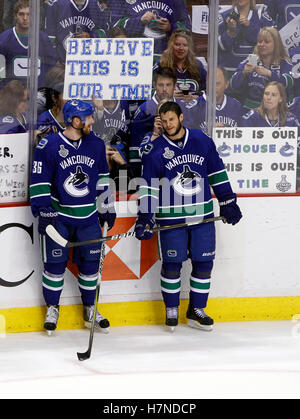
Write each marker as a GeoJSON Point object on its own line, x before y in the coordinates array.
{"type": "Point", "coordinates": [14, 167]}
{"type": "Point", "coordinates": [259, 160]}
{"type": "Point", "coordinates": [109, 68]}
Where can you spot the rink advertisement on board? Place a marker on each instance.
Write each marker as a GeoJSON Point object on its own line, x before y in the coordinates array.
{"type": "Point", "coordinates": [14, 167]}
{"type": "Point", "coordinates": [259, 160]}
{"type": "Point", "coordinates": [109, 68]}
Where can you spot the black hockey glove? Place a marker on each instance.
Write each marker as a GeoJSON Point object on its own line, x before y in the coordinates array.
{"type": "Point", "coordinates": [143, 223]}
{"type": "Point", "coordinates": [230, 210]}
{"type": "Point", "coordinates": [107, 214]}
{"type": "Point", "coordinates": [47, 215]}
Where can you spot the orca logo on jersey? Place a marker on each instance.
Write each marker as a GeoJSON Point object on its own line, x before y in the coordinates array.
{"type": "Point", "coordinates": [74, 181]}
{"type": "Point", "coordinates": [188, 182]}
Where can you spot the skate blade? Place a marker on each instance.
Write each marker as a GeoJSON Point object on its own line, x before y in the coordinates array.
{"type": "Point", "coordinates": [104, 330]}
{"type": "Point", "coordinates": [195, 325]}
{"type": "Point", "coordinates": [170, 328]}
{"type": "Point", "coordinates": [49, 332]}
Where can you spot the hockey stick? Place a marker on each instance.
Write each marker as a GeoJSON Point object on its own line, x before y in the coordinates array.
{"type": "Point", "coordinates": [55, 236]}
{"type": "Point", "coordinates": [82, 356]}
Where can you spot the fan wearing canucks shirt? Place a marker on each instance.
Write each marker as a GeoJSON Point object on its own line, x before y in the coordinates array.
{"type": "Point", "coordinates": [14, 48]}
{"type": "Point", "coordinates": [151, 19]}
{"type": "Point", "coordinates": [282, 11]}
{"type": "Point", "coordinates": [75, 19]}
{"type": "Point", "coordinates": [69, 174]}
{"type": "Point", "coordinates": [178, 170]}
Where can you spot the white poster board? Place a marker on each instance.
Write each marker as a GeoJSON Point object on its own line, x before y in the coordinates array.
{"type": "Point", "coordinates": [14, 167]}
{"type": "Point", "coordinates": [109, 68]}
{"type": "Point", "coordinates": [259, 160]}
{"type": "Point", "coordinates": [290, 34]}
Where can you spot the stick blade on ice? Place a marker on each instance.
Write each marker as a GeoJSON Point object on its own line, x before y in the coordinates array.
{"type": "Point", "coordinates": [82, 356]}
{"type": "Point", "coordinates": [54, 235]}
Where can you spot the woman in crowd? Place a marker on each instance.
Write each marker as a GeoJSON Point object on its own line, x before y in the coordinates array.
{"type": "Point", "coordinates": [272, 64]}
{"type": "Point", "coordinates": [190, 72]}
{"type": "Point", "coordinates": [13, 107]}
{"type": "Point", "coordinates": [238, 30]}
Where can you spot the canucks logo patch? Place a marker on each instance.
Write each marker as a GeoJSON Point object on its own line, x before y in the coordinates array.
{"type": "Point", "coordinates": [76, 183]}
{"type": "Point", "coordinates": [188, 182]}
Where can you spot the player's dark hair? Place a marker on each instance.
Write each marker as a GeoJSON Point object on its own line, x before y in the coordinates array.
{"type": "Point", "coordinates": [170, 107]}
{"type": "Point", "coordinates": [21, 4]}
{"type": "Point", "coordinates": [165, 72]}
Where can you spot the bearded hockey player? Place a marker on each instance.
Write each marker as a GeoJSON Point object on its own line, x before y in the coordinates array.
{"type": "Point", "coordinates": [178, 169]}
{"type": "Point", "coordinates": [69, 174]}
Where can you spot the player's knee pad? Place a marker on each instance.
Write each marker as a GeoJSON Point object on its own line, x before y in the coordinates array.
{"type": "Point", "coordinates": [202, 270]}
{"type": "Point", "coordinates": [171, 270]}
{"type": "Point", "coordinates": [88, 267]}
{"type": "Point", "coordinates": [55, 268]}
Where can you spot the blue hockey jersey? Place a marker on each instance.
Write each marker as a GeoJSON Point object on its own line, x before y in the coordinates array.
{"type": "Point", "coordinates": [253, 119]}
{"type": "Point", "coordinates": [228, 113]}
{"type": "Point", "coordinates": [177, 178]}
{"type": "Point", "coordinates": [47, 119]}
{"type": "Point", "coordinates": [234, 50]}
{"type": "Point", "coordinates": [282, 11]}
{"type": "Point", "coordinates": [14, 47]}
{"type": "Point", "coordinates": [68, 177]}
{"type": "Point", "coordinates": [128, 13]}
{"type": "Point", "coordinates": [64, 19]}
{"type": "Point", "coordinates": [11, 125]}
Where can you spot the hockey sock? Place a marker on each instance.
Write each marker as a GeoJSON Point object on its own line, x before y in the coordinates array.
{"type": "Point", "coordinates": [170, 283]}
{"type": "Point", "coordinates": [200, 283]}
{"type": "Point", "coordinates": [87, 281]}
{"type": "Point", "coordinates": [53, 282]}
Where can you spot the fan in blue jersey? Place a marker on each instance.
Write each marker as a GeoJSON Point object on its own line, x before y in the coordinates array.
{"type": "Point", "coordinates": [151, 19]}
{"type": "Point", "coordinates": [179, 168]}
{"type": "Point", "coordinates": [272, 64]}
{"type": "Point", "coordinates": [164, 81]}
{"type": "Point", "coordinates": [295, 56]}
{"type": "Point", "coordinates": [75, 19]}
{"type": "Point", "coordinates": [13, 107]}
{"type": "Point", "coordinates": [228, 110]}
{"type": "Point", "coordinates": [238, 30]}
{"type": "Point", "coordinates": [69, 174]}
{"type": "Point", "coordinates": [14, 47]}
{"type": "Point", "coordinates": [282, 11]}
{"type": "Point", "coordinates": [190, 72]}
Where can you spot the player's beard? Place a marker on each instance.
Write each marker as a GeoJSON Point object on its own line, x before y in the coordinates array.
{"type": "Point", "coordinates": [179, 126]}
{"type": "Point", "coordinates": [86, 129]}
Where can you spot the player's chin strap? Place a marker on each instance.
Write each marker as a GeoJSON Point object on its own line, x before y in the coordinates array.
{"type": "Point", "coordinates": [55, 236]}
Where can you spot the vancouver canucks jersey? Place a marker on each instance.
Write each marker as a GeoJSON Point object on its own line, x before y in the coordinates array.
{"type": "Point", "coordinates": [11, 125]}
{"type": "Point", "coordinates": [14, 47]}
{"type": "Point", "coordinates": [282, 11]}
{"type": "Point", "coordinates": [254, 119]}
{"type": "Point", "coordinates": [128, 13]}
{"type": "Point", "coordinates": [47, 119]}
{"type": "Point", "coordinates": [228, 113]}
{"type": "Point", "coordinates": [65, 19]}
{"type": "Point", "coordinates": [177, 178]}
{"type": "Point", "coordinates": [69, 176]}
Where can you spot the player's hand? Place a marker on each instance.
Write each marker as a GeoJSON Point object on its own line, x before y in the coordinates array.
{"type": "Point", "coordinates": [47, 216]}
{"type": "Point", "coordinates": [143, 223]}
{"type": "Point", "coordinates": [230, 210]}
{"type": "Point", "coordinates": [107, 214]}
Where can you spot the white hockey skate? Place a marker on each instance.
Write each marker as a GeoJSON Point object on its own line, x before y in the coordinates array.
{"type": "Point", "coordinates": [101, 323]}
{"type": "Point", "coordinates": [171, 317]}
{"type": "Point", "coordinates": [198, 319]}
{"type": "Point", "coordinates": [51, 318]}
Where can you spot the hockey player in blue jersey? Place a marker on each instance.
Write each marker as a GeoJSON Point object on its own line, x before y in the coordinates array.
{"type": "Point", "coordinates": [151, 19]}
{"type": "Point", "coordinates": [178, 170]}
{"type": "Point", "coordinates": [14, 45]}
{"type": "Point", "coordinates": [69, 174]}
{"type": "Point", "coordinates": [75, 19]}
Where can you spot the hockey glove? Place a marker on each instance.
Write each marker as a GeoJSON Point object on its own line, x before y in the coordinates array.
{"type": "Point", "coordinates": [47, 215]}
{"type": "Point", "coordinates": [230, 210]}
{"type": "Point", "coordinates": [142, 224]}
{"type": "Point", "coordinates": [107, 214]}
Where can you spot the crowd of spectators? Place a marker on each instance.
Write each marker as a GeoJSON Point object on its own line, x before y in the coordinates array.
{"type": "Point", "coordinates": [257, 79]}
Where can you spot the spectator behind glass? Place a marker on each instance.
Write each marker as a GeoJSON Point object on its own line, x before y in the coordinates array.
{"type": "Point", "coordinates": [228, 110]}
{"type": "Point", "coordinates": [14, 47]}
{"type": "Point", "coordinates": [271, 64]}
{"type": "Point", "coordinates": [75, 19]}
{"type": "Point", "coordinates": [190, 72]}
{"type": "Point", "coordinates": [13, 106]}
{"type": "Point", "coordinates": [238, 30]}
{"type": "Point", "coordinates": [282, 11]}
{"type": "Point", "coordinates": [150, 19]}
{"type": "Point", "coordinates": [295, 57]}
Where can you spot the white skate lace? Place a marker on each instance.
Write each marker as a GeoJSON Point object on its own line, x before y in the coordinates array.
{"type": "Point", "coordinates": [98, 317]}
{"type": "Point", "coordinates": [172, 312]}
{"type": "Point", "coordinates": [52, 314]}
{"type": "Point", "coordinates": [200, 312]}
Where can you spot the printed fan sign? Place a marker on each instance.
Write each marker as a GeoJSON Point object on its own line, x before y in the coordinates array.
{"type": "Point", "coordinates": [109, 68]}
{"type": "Point", "coordinates": [14, 167]}
{"type": "Point", "coordinates": [259, 160]}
